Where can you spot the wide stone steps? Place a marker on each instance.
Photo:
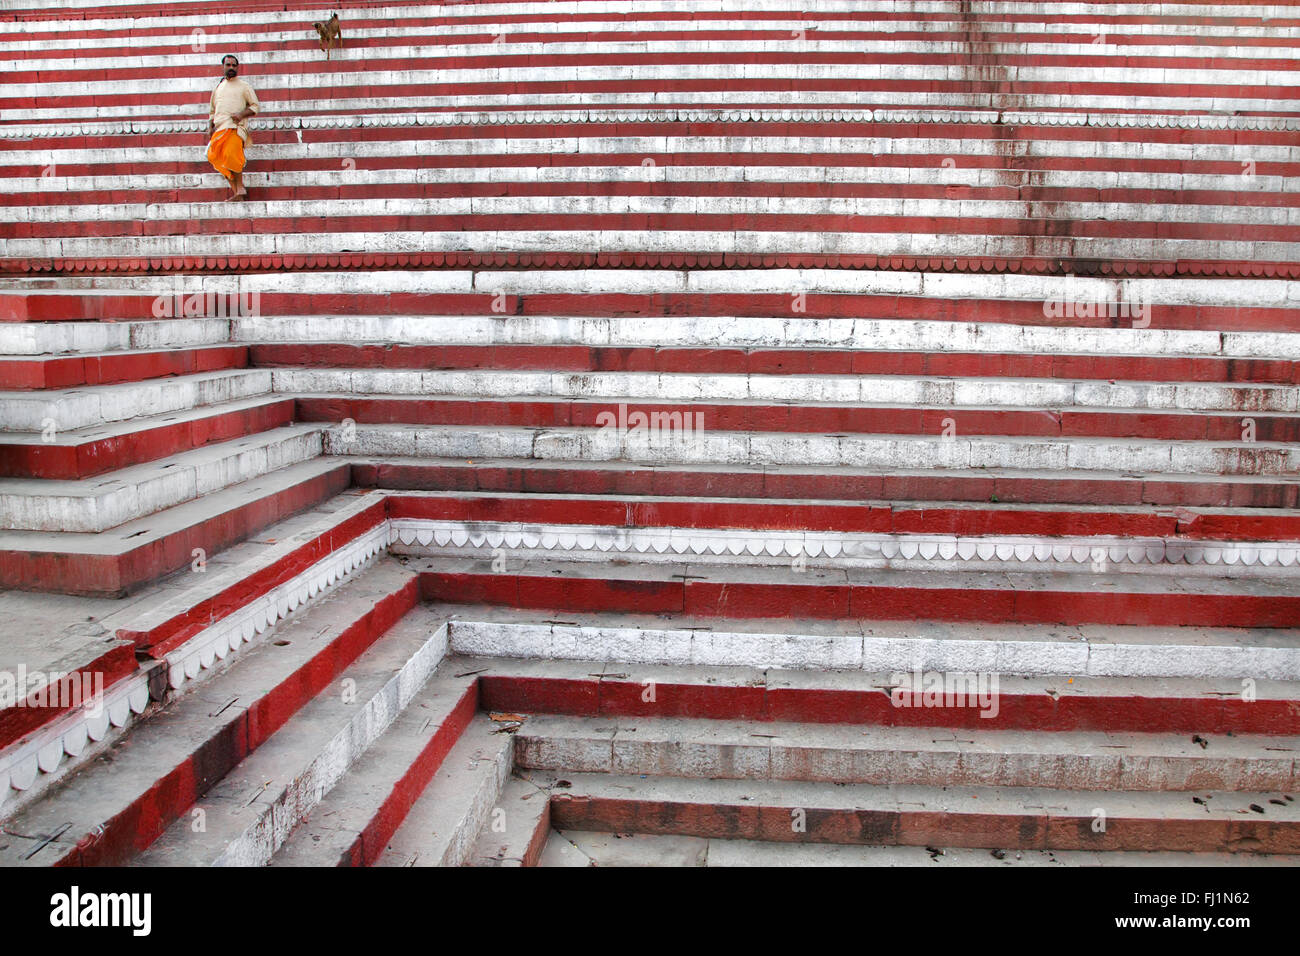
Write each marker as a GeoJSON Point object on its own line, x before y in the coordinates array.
{"type": "Point", "coordinates": [63, 410]}
{"type": "Point", "coordinates": [123, 799]}
{"type": "Point", "coordinates": [861, 389]}
{"type": "Point", "coordinates": [712, 749]}
{"type": "Point", "coordinates": [98, 504]}
{"type": "Point", "coordinates": [721, 592]}
{"type": "Point", "coordinates": [838, 484]}
{"type": "Point", "coordinates": [985, 817]}
{"type": "Point", "coordinates": [570, 848]}
{"type": "Point", "coordinates": [250, 813]}
{"type": "Point", "coordinates": [665, 447]}
{"type": "Point", "coordinates": [44, 371]}
{"type": "Point", "coordinates": [93, 451]}
{"type": "Point", "coordinates": [123, 559]}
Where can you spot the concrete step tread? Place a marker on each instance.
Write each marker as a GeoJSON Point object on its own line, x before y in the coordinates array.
{"type": "Point", "coordinates": [115, 391]}
{"type": "Point", "coordinates": [208, 726]}
{"type": "Point", "coordinates": [135, 475]}
{"type": "Point", "coordinates": [591, 848]}
{"type": "Point", "coordinates": [109, 430]}
{"type": "Point", "coordinates": [53, 340]}
{"type": "Point", "coordinates": [443, 826]}
{"type": "Point", "coordinates": [516, 829]}
{"type": "Point", "coordinates": [159, 525]}
{"type": "Point", "coordinates": [340, 828]}
{"type": "Point", "coordinates": [405, 459]}
{"type": "Point", "coordinates": [688, 732]}
{"type": "Point", "coordinates": [1061, 687]}
{"type": "Point", "coordinates": [409, 432]}
{"type": "Point", "coordinates": [691, 573]}
{"type": "Point", "coordinates": [997, 801]}
{"type": "Point", "coordinates": [257, 804]}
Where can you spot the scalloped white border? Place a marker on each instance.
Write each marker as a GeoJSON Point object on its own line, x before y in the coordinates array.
{"type": "Point", "coordinates": [227, 635]}
{"type": "Point", "coordinates": [755, 115]}
{"type": "Point", "coordinates": [27, 765]}
{"type": "Point", "coordinates": [430, 533]}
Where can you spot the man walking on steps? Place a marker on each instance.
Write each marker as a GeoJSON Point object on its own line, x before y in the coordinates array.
{"type": "Point", "coordinates": [233, 102]}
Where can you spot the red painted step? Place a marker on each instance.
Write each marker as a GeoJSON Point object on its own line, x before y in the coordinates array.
{"type": "Point", "coordinates": [818, 419]}
{"type": "Point", "coordinates": [600, 478]}
{"type": "Point", "coordinates": [147, 440]}
{"type": "Point", "coordinates": [68, 371]}
{"type": "Point", "coordinates": [879, 595]}
{"type": "Point", "coordinates": [105, 307]}
{"type": "Point", "coordinates": [761, 361]}
{"type": "Point", "coordinates": [118, 562]}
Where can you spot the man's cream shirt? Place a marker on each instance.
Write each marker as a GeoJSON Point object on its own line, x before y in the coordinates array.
{"type": "Point", "coordinates": [231, 97]}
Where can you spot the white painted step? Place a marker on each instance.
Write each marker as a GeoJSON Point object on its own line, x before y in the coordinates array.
{"type": "Point", "coordinates": [757, 332]}
{"type": "Point", "coordinates": [923, 756]}
{"type": "Point", "coordinates": [443, 826]}
{"type": "Point", "coordinates": [117, 778]}
{"type": "Point", "coordinates": [678, 446]}
{"type": "Point", "coordinates": [89, 338]}
{"type": "Point", "coordinates": [587, 848]}
{"type": "Point", "coordinates": [340, 829]}
{"type": "Point", "coordinates": [253, 810]}
{"type": "Point", "coordinates": [875, 390]}
{"type": "Point", "coordinates": [106, 501]}
{"type": "Point", "coordinates": [87, 405]}
{"type": "Point", "coordinates": [517, 828]}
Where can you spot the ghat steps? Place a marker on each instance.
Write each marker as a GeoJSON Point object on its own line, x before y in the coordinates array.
{"type": "Point", "coordinates": [984, 317]}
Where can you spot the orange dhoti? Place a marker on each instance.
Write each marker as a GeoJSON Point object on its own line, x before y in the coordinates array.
{"type": "Point", "coordinates": [226, 153]}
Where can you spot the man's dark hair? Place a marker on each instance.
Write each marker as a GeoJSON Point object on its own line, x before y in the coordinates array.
{"type": "Point", "coordinates": [229, 56]}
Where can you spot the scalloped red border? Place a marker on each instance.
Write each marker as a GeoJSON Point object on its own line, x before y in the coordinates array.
{"type": "Point", "coordinates": [643, 260]}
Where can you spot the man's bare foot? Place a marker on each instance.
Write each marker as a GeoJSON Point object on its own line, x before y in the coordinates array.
{"type": "Point", "coordinates": [240, 196]}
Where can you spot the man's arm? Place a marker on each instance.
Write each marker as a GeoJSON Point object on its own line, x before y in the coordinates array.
{"type": "Point", "coordinates": [250, 98]}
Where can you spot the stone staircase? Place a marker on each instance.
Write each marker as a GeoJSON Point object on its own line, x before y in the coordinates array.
{"type": "Point", "coordinates": [756, 358]}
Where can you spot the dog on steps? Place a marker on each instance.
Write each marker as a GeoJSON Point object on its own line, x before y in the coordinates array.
{"type": "Point", "coordinates": [330, 34]}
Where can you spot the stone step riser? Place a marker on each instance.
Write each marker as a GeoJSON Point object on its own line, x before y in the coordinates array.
{"type": "Point", "coordinates": [745, 359]}
{"type": "Point", "coordinates": [524, 205]}
{"type": "Point", "coordinates": [779, 760]}
{"type": "Point", "coordinates": [870, 29]}
{"type": "Point", "coordinates": [553, 477]}
{"type": "Point", "coordinates": [1254, 20]}
{"type": "Point", "coordinates": [148, 441]}
{"type": "Point", "coordinates": [669, 446]}
{"type": "Point", "coordinates": [142, 809]}
{"type": "Point", "coordinates": [764, 37]}
{"type": "Point", "coordinates": [961, 601]}
{"type": "Point", "coordinates": [680, 177]}
{"type": "Point", "coordinates": [931, 827]}
{"type": "Point", "coordinates": [89, 406]}
{"type": "Point", "coordinates": [45, 372]}
{"type": "Point", "coordinates": [79, 567]}
{"type": "Point", "coordinates": [476, 514]}
{"type": "Point", "coordinates": [39, 340]}
{"type": "Point", "coordinates": [129, 496]}
{"type": "Point", "coordinates": [509, 688]}
{"type": "Point", "coordinates": [703, 389]}
{"type": "Point", "coordinates": [755, 417]}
